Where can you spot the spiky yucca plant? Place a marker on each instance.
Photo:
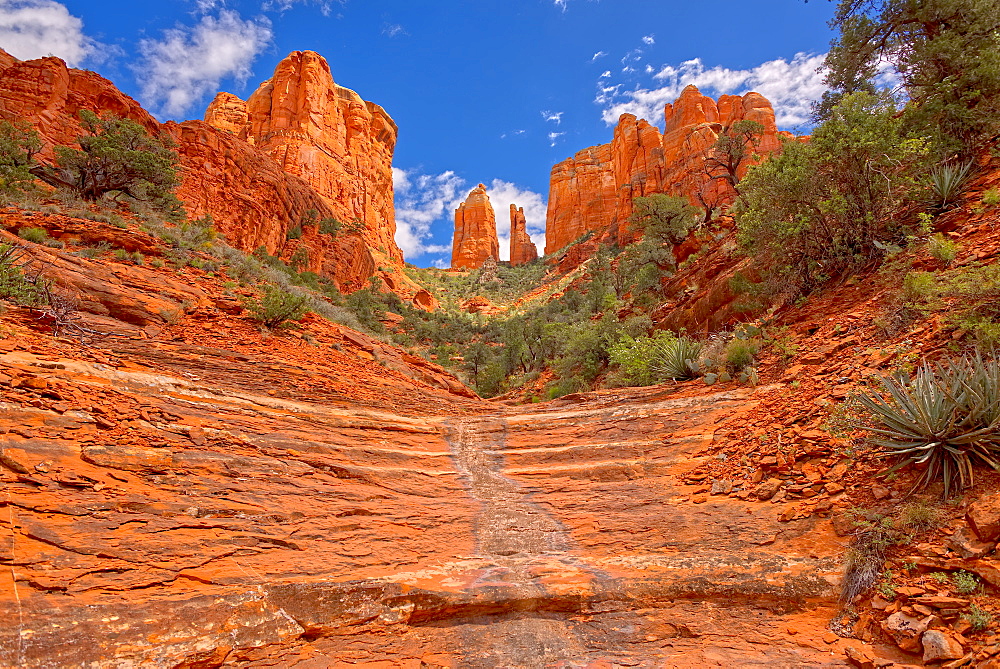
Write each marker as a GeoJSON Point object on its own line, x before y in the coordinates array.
{"type": "Point", "coordinates": [947, 418]}
{"type": "Point", "coordinates": [948, 180]}
{"type": "Point", "coordinates": [678, 359]}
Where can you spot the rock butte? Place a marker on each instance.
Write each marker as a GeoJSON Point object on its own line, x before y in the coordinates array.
{"type": "Point", "coordinates": [593, 190]}
{"type": "Point", "coordinates": [475, 231]}
{"type": "Point", "coordinates": [522, 249]}
{"type": "Point", "coordinates": [300, 144]}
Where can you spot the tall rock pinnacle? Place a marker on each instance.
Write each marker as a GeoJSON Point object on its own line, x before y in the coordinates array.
{"type": "Point", "coordinates": [522, 249]}
{"type": "Point", "coordinates": [475, 231]}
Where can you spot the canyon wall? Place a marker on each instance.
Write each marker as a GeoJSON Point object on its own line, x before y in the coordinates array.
{"type": "Point", "coordinates": [475, 231]}
{"type": "Point", "coordinates": [593, 190]}
{"type": "Point", "coordinates": [300, 147]}
{"type": "Point", "coordinates": [522, 249]}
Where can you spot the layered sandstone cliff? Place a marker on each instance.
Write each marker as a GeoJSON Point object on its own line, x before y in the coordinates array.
{"type": "Point", "coordinates": [475, 231]}
{"type": "Point", "coordinates": [593, 190]}
{"type": "Point", "coordinates": [522, 249]}
{"type": "Point", "coordinates": [256, 187]}
{"type": "Point", "coordinates": [327, 135]}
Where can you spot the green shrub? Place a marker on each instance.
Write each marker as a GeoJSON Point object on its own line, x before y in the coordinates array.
{"type": "Point", "coordinates": [942, 249]}
{"type": "Point", "coordinates": [919, 286]}
{"type": "Point", "coordinates": [947, 417]}
{"type": "Point", "coordinates": [36, 235]}
{"type": "Point", "coordinates": [965, 582]}
{"type": "Point", "coordinates": [14, 285]}
{"type": "Point", "coordinates": [294, 233]}
{"type": "Point", "coordinates": [829, 206]}
{"type": "Point", "coordinates": [979, 618]}
{"type": "Point", "coordinates": [329, 226]}
{"type": "Point", "coordinates": [19, 143]}
{"type": "Point", "coordinates": [740, 354]}
{"type": "Point", "coordinates": [277, 306]}
{"type": "Point", "coordinates": [991, 197]}
{"type": "Point", "coordinates": [116, 155]}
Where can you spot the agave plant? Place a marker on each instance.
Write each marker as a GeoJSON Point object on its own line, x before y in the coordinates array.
{"type": "Point", "coordinates": [948, 181]}
{"type": "Point", "coordinates": [946, 418]}
{"type": "Point", "coordinates": [678, 359]}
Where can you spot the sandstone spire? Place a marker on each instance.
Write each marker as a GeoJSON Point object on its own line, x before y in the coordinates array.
{"type": "Point", "coordinates": [475, 231]}
{"type": "Point", "coordinates": [522, 249]}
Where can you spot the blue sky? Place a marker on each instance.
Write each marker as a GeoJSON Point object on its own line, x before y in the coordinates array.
{"type": "Point", "coordinates": [490, 91]}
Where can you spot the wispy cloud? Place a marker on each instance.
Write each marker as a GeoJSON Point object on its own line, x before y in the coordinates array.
{"type": "Point", "coordinates": [189, 62]}
{"type": "Point", "coordinates": [649, 39]}
{"type": "Point", "coordinates": [513, 133]}
{"type": "Point", "coordinates": [599, 54]}
{"type": "Point", "coordinates": [37, 28]}
{"type": "Point", "coordinates": [554, 137]}
{"type": "Point", "coordinates": [790, 85]}
{"type": "Point", "coordinates": [393, 30]}
{"type": "Point", "coordinates": [561, 4]}
{"type": "Point", "coordinates": [325, 6]}
{"type": "Point", "coordinates": [554, 117]}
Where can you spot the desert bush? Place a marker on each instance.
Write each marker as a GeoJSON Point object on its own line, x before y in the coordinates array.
{"type": "Point", "coordinates": [991, 197]}
{"type": "Point", "coordinates": [945, 419]}
{"type": "Point", "coordinates": [829, 206]}
{"type": "Point", "coordinates": [965, 583]}
{"type": "Point", "coordinates": [979, 618]}
{"type": "Point", "coordinates": [19, 143]}
{"type": "Point", "coordinates": [276, 306]}
{"type": "Point", "coordinates": [35, 235]}
{"type": "Point", "coordinates": [919, 286]}
{"type": "Point", "coordinates": [15, 285]}
{"type": "Point", "coordinates": [740, 354]}
{"type": "Point", "coordinates": [942, 249]}
{"type": "Point", "coordinates": [116, 155]}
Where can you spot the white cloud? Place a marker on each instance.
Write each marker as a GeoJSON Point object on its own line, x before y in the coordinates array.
{"type": "Point", "coordinates": [553, 136]}
{"type": "Point", "coordinates": [36, 28]}
{"type": "Point", "coordinates": [422, 200]}
{"type": "Point", "coordinates": [599, 54]}
{"type": "Point", "coordinates": [791, 86]}
{"type": "Point", "coordinates": [191, 61]}
{"type": "Point", "coordinates": [325, 6]}
{"type": "Point", "coordinates": [512, 133]}
{"type": "Point", "coordinates": [502, 195]}
{"type": "Point", "coordinates": [649, 39]}
{"type": "Point", "coordinates": [606, 73]}
{"type": "Point", "coordinates": [555, 117]}
{"type": "Point", "coordinates": [561, 4]}
{"type": "Point", "coordinates": [394, 30]}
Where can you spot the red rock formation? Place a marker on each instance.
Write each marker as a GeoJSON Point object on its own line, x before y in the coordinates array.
{"type": "Point", "coordinates": [255, 194]}
{"type": "Point", "coordinates": [475, 231]}
{"type": "Point", "coordinates": [593, 191]}
{"type": "Point", "coordinates": [522, 249]}
{"type": "Point", "coordinates": [582, 197]}
{"type": "Point", "coordinates": [327, 135]}
{"type": "Point", "coordinates": [227, 112]}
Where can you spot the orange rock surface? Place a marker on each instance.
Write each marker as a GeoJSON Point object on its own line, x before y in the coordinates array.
{"type": "Point", "coordinates": [593, 190]}
{"type": "Point", "coordinates": [255, 194]}
{"type": "Point", "coordinates": [475, 231]}
{"type": "Point", "coordinates": [522, 249]}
